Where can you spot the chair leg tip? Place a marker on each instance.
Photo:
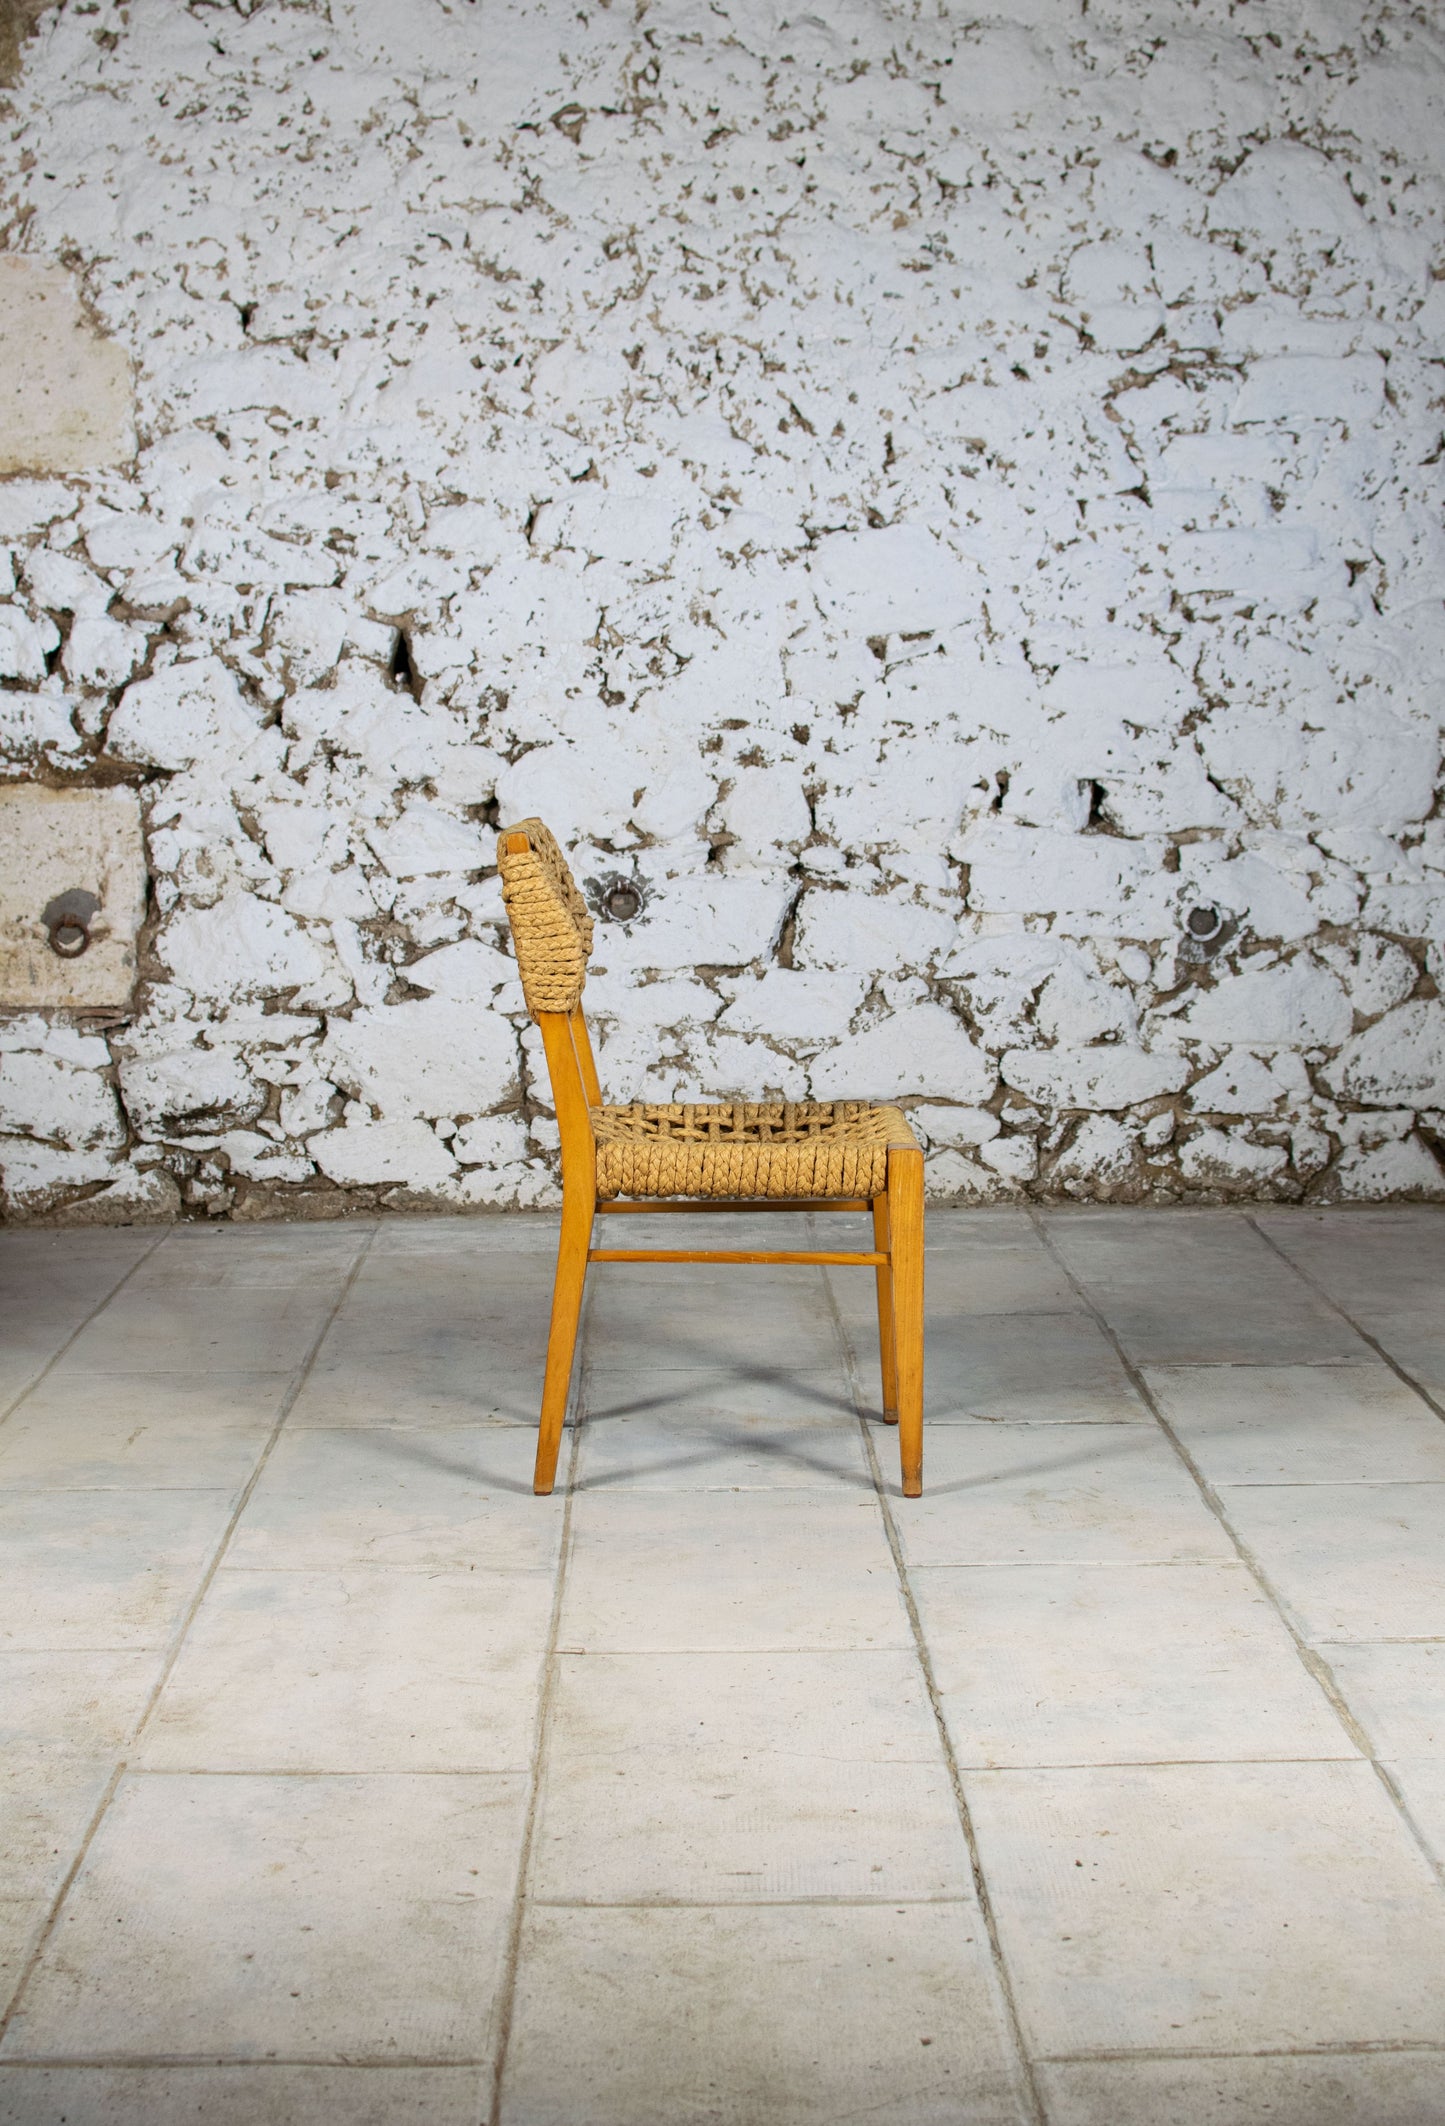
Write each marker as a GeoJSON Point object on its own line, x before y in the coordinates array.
{"type": "Point", "coordinates": [890, 1417]}
{"type": "Point", "coordinates": [541, 1490]}
{"type": "Point", "coordinates": [913, 1487]}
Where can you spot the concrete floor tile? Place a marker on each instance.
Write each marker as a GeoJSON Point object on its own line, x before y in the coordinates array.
{"type": "Point", "coordinates": [238, 1257]}
{"type": "Point", "coordinates": [229, 2093]}
{"type": "Point", "coordinates": [36, 1249]}
{"type": "Point", "coordinates": [102, 1569]}
{"type": "Point", "coordinates": [46, 1279]}
{"type": "Point", "coordinates": [715, 1572]}
{"type": "Point", "coordinates": [152, 1431]}
{"type": "Point", "coordinates": [1199, 1288]}
{"type": "Point", "coordinates": [21, 1365]}
{"type": "Point", "coordinates": [1301, 1424]}
{"type": "Point", "coordinates": [1333, 2089]}
{"type": "Point", "coordinates": [778, 1231]}
{"type": "Point", "coordinates": [182, 1329]}
{"type": "Point", "coordinates": [709, 1778]}
{"type": "Point", "coordinates": [46, 1805]}
{"type": "Point", "coordinates": [507, 1328]}
{"type": "Point", "coordinates": [735, 1391]}
{"type": "Point", "coordinates": [989, 1263]}
{"type": "Point", "coordinates": [428, 1498]}
{"type": "Point", "coordinates": [1396, 1692]}
{"type": "Point", "coordinates": [1415, 1339]}
{"type": "Point", "coordinates": [1037, 1494]}
{"type": "Point", "coordinates": [1353, 1561]}
{"type": "Point", "coordinates": [358, 1670]}
{"type": "Point", "coordinates": [473, 1382]}
{"type": "Point", "coordinates": [315, 1919]}
{"type": "Point", "coordinates": [1390, 1259]}
{"type": "Point", "coordinates": [686, 1316]}
{"type": "Point", "coordinates": [504, 1235]}
{"type": "Point", "coordinates": [801, 2016]}
{"type": "Point", "coordinates": [1046, 1369]}
{"type": "Point", "coordinates": [1213, 1907]}
{"type": "Point", "coordinates": [73, 1704]}
{"type": "Point", "coordinates": [1117, 1664]}
{"type": "Point", "coordinates": [703, 1432]}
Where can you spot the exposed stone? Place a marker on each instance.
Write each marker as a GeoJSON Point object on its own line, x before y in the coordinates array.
{"type": "Point", "coordinates": [919, 1053]}
{"type": "Point", "coordinates": [372, 1152]}
{"type": "Point", "coordinates": [435, 1057]}
{"type": "Point", "coordinates": [189, 1091]}
{"type": "Point", "coordinates": [1103, 1077]}
{"type": "Point", "coordinates": [1401, 1058]}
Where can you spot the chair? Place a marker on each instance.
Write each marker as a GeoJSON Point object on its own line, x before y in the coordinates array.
{"type": "Point", "coordinates": [840, 1155]}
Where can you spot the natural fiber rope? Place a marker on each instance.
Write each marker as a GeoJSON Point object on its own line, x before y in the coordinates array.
{"type": "Point", "coordinates": [735, 1148]}
{"type": "Point", "coordinates": [551, 929]}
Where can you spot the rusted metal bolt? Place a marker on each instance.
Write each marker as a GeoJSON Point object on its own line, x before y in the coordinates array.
{"type": "Point", "coordinates": [1204, 922]}
{"type": "Point", "coordinates": [622, 903]}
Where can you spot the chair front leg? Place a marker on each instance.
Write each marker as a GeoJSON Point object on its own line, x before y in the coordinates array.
{"type": "Point", "coordinates": [578, 1208]}
{"type": "Point", "coordinates": [905, 1219]}
{"type": "Point", "coordinates": [888, 1358]}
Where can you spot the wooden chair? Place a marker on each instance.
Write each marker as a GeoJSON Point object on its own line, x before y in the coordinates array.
{"type": "Point", "coordinates": [840, 1155]}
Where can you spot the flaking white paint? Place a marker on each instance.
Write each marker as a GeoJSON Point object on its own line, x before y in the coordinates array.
{"type": "Point", "coordinates": [929, 500]}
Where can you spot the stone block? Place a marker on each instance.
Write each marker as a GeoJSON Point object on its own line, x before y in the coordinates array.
{"type": "Point", "coordinates": [72, 897]}
{"type": "Point", "coordinates": [65, 402]}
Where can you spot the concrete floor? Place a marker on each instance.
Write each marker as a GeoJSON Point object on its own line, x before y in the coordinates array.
{"type": "Point", "coordinates": [346, 1781]}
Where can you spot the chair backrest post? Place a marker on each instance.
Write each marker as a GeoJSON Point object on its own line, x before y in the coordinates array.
{"type": "Point", "coordinates": [587, 1062]}
{"type": "Point", "coordinates": [569, 1096]}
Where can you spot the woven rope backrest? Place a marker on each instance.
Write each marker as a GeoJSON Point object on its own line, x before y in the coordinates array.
{"type": "Point", "coordinates": [551, 929]}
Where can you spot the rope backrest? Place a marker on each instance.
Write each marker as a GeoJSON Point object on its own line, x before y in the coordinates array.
{"type": "Point", "coordinates": [551, 929]}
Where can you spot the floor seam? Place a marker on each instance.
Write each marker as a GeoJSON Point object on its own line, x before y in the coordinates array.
{"type": "Point", "coordinates": [1308, 1277]}
{"type": "Point", "coordinates": [82, 1326]}
{"type": "Point", "coordinates": [512, 1962]}
{"type": "Point", "coordinates": [178, 1636]}
{"type": "Point", "coordinates": [1314, 1663]}
{"type": "Point", "coordinates": [1027, 2079]}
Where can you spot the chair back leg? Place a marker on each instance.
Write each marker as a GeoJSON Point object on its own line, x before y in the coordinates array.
{"type": "Point", "coordinates": [887, 1355]}
{"type": "Point", "coordinates": [578, 1207]}
{"type": "Point", "coordinates": [905, 1220]}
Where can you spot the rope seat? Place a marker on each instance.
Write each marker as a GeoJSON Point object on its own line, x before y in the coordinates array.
{"type": "Point", "coordinates": [551, 928]}
{"type": "Point", "coordinates": [740, 1148]}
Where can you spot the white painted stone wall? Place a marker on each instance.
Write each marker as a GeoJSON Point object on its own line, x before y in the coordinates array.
{"type": "Point", "coordinates": [936, 501]}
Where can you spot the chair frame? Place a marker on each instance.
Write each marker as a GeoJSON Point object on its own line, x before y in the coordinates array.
{"type": "Point", "coordinates": [896, 1256]}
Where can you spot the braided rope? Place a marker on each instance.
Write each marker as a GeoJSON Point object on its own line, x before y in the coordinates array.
{"type": "Point", "coordinates": [551, 929]}
{"type": "Point", "coordinates": [738, 1148]}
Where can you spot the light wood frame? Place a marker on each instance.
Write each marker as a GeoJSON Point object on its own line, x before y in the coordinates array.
{"type": "Point", "coordinates": [896, 1256]}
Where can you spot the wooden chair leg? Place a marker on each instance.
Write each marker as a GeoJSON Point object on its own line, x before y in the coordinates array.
{"type": "Point", "coordinates": [888, 1358]}
{"type": "Point", "coordinates": [905, 1217]}
{"type": "Point", "coordinates": [572, 1246]}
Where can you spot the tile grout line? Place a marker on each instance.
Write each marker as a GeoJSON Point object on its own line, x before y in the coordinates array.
{"type": "Point", "coordinates": [1033, 2098]}
{"type": "Point", "coordinates": [1251, 1219]}
{"type": "Point", "coordinates": [172, 1653]}
{"type": "Point", "coordinates": [1312, 1660]}
{"type": "Point", "coordinates": [512, 1962]}
{"type": "Point", "coordinates": [80, 1327]}
{"type": "Point", "coordinates": [288, 1403]}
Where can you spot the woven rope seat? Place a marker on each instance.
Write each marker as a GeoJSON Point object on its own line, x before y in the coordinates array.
{"type": "Point", "coordinates": [737, 1148]}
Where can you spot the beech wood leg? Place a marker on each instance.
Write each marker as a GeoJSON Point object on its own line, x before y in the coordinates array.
{"type": "Point", "coordinates": [577, 1211]}
{"type": "Point", "coordinates": [905, 1213]}
{"type": "Point", "coordinates": [888, 1358]}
